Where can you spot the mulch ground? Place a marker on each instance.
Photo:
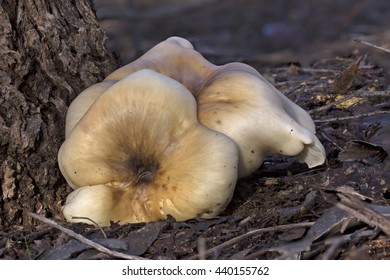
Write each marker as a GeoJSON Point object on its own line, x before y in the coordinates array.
{"type": "Point", "coordinates": [283, 211]}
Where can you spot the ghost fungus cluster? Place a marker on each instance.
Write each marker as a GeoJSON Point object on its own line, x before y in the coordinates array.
{"type": "Point", "coordinates": [239, 102]}
{"type": "Point", "coordinates": [138, 153]}
{"type": "Point", "coordinates": [170, 133]}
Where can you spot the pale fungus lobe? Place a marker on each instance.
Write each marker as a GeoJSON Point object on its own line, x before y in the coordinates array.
{"type": "Point", "coordinates": [170, 133]}
{"type": "Point", "coordinates": [136, 152]}
{"type": "Point", "coordinates": [240, 103]}
{"type": "Point", "coordinates": [237, 101]}
{"type": "Point", "coordinates": [82, 102]}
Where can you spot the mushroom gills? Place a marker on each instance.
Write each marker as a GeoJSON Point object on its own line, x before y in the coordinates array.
{"type": "Point", "coordinates": [233, 99]}
{"type": "Point", "coordinates": [168, 131]}
{"type": "Point", "coordinates": [139, 146]}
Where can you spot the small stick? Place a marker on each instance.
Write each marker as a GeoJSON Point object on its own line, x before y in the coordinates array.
{"type": "Point", "coordinates": [371, 45]}
{"type": "Point", "coordinates": [331, 141]}
{"type": "Point", "coordinates": [92, 221]}
{"type": "Point", "coordinates": [330, 105]}
{"type": "Point", "coordinates": [201, 248]}
{"type": "Point", "coordinates": [377, 93]}
{"type": "Point", "coordinates": [246, 235]}
{"type": "Point", "coordinates": [361, 211]}
{"type": "Point", "coordinates": [81, 238]}
{"type": "Point", "coordinates": [352, 117]}
{"type": "Point", "coordinates": [301, 85]}
{"type": "Point", "coordinates": [336, 242]}
{"type": "Point", "coordinates": [359, 93]}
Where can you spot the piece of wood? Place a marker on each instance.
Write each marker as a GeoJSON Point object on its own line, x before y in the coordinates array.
{"type": "Point", "coordinates": [84, 240]}
{"type": "Point", "coordinates": [249, 234]}
{"type": "Point", "coordinates": [49, 52]}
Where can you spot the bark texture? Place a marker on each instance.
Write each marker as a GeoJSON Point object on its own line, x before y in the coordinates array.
{"type": "Point", "coordinates": [49, 52]}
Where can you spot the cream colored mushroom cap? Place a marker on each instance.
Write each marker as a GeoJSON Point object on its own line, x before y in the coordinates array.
{"type": "Point", "coordinates": [238, 101]}
{"type": "Point", "coordinates": [140, 154]}
{"type": "Point", "coordinates": [82, 102]}
{"type": "Point", "coordinates": [175, 58]}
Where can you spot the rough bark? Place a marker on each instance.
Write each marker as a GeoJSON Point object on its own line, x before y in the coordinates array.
{"type": "Point", "coordinates": [49, 52]}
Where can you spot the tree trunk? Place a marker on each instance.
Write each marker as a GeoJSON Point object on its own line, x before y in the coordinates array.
{"type": "Point", "coordinates": [49, 52]}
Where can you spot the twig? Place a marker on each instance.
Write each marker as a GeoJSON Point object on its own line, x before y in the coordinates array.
{"type": "Point", "coordinates": [361, 211]}
{"type": "Point", "coordinates": [92, 221]}
{"type": "Point", "coordinates": [377, 93]}
{"type": "Point", "coordinates": [331, 141]}
{"type": "Point", "coordinates": [330, 105]}
{"type": "Point", "coordinates": [336, 242]}
{"type": "Point", "coordinates": [246, 235]}
{"type": "Point", "coordinates": [359, 93]}
{"type": "Point", "coordinates": [81, 238]}
{"type": "Point", "coordinates": [301, 85]}
{"type": "Point", "coordinates": [371, 45]}
{"type": "Point", "coordinates": [287, 251]}
{"type": "Point", "coordinates": [309, 70]}
{"type": "Point", "coordinates": [352, 117]}
{"type": "Point", "coordinates": [201, 248]}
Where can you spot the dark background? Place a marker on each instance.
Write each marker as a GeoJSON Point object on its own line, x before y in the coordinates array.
{"type": "Point", "coordinates": [261, 32]}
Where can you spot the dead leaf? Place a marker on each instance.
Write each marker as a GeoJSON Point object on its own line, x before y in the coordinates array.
{"type": "Point", "coordinates": [74, 247]}
{"type": "Point", "coordinates": [330, 221]}
{"type": "Point", "coordinates": [110, 243]}
{"type": "Point", "coordinates": [380, 247]}
{"type": "Point", "coordinates": [183, 244]}
{"type": "Point", "coordinates": [350, 191]}
{"type": "Point", "coordinates": [350, 102]}
{"type": "Point", "coordinates": [335, 220]}
{"type": "Point", "coordinates": [92, 254]}
{"type": "Point", "coordinates": [205, 224]}
{"type": "Point", "coordinates": [290, 212]}
{"type": "Point", "coordinates": [67, 250]}
{"type": "Point", "coordinates": [41, 246]}
{"type": "Point", "coordinates": [357, 150]}
{"type": "Point", "coordinates": [292, 234]}
{"type": "Point", "coordinates": [140, 240]}
{"type": "Point", "coordinates": [293, 70]}
{"type": "Point", "coordinates": [345, 78]}
{"type": "Point", "coordinates": [379, 134]}
{"type": "Point", "coordinates": [363, 212]}
{"type": "Point", "coordinates": [289, 251]}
